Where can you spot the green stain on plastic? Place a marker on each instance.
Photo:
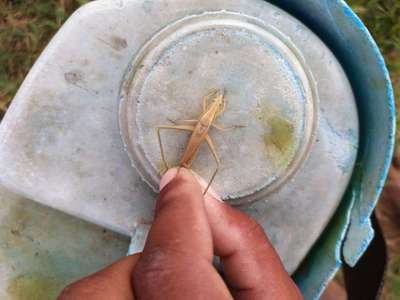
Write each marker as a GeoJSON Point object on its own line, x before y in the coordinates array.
{"type": "Point", "coordinates": [39, 273]}
{"type": "Point", "coordinates": [279, 135]}
{"type": "Point", "coordinates": [37, 260]}
{"type": "Point", "coordinates": [34, 286]}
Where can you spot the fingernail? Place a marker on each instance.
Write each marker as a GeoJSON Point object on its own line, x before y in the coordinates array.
{"type": "Point", "coordinates": [211, 192]}
{"type": "Point", "coordinates": [168, 177]}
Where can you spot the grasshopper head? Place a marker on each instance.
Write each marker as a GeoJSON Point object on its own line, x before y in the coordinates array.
{"type": "Point", "coordinates": [215, 102]}
{"type": "Point", "coordinates": [220, 101]}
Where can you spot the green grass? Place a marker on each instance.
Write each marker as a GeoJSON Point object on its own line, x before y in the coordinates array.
{"type": "Point", "coordinates": [382, 18]}
{"type": "Point", "coordinates": [26, 26]}
{"type": "Point", "coordinates": [392, 284]}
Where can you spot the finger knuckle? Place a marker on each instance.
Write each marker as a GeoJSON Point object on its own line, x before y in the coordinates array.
{"type": "Point", "coordinates": [251, 228]}
{"type": "Point", "coordinates": [154, 268]}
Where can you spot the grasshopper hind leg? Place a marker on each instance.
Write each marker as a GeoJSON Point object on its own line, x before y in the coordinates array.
{"type": "Point", "coordinates": [170, 127]}
{"type": "Point", "coordinates": [188, 128]}
{"type": "Point", "coordinates": [217, 161]}
{"type": "Point", "coordinates": [166, 166]}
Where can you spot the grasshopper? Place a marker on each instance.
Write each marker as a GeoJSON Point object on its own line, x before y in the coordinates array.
{"type": "Point", "coordinates": [213, 106]}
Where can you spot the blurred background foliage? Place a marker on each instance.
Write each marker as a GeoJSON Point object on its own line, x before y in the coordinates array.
{"type": "Point", "coordinates": [382, 18]}
{"type": "Point", "coordinates": [26, 26]}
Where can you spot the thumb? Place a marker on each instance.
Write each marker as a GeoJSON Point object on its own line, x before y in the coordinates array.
{"type": "Point", "coordinates": [176, 261]}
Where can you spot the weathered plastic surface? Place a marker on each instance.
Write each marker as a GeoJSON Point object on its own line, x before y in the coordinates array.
{"type": "Point", "coordinates": [349, 233]}
{"type": "Point", "coordinates": [61, 144]}
{"type": "Point", "coordinates": [43, 250]}
{"type": "Point", "coordinates": [272, 90]}
{"type": "Point", "coordinates": [348, 38]}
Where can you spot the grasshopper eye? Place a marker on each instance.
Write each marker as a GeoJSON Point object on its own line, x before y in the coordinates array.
{"type": "Point", "coordinates": [222, 105]}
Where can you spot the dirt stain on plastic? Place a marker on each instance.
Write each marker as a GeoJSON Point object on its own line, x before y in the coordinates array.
{"type": "Point", "coordinates": [115, 42]}
{"type": "Point", "coordinates": [118, 43]}
{"type": "Point", "coordinates": [73, 77]}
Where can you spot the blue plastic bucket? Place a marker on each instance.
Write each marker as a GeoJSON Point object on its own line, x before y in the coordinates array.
{"type": "Point", "coordinates": [350, 232]}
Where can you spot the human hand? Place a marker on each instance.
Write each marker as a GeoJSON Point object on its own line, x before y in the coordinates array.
{"type": "Point", "coordinates": [176, 263]}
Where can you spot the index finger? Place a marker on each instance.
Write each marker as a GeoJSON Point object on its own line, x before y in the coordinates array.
{"type": "Point", "coordinates": [251, 265]}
